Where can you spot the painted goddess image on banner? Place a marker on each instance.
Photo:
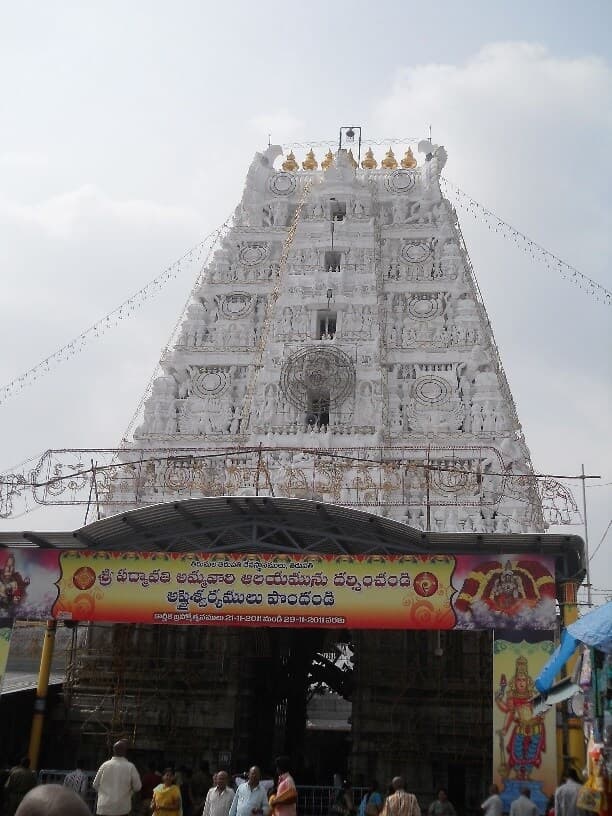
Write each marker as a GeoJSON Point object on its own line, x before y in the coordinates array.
{"type": "Point", "coordinates": [525, 732]}
{"type": "Point", "coordinates": [524, 750]}
{"type": "Point", "coordinates": [13, 587]}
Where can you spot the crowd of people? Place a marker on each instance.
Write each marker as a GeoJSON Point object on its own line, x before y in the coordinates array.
{"type": "Point", "coordinates": [121, 791]}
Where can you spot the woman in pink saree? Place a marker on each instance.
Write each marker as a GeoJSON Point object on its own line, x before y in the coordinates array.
{"type": "Point", "coordinates": [284, 801]}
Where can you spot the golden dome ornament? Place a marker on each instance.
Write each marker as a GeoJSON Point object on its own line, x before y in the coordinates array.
{"type": "Point", "coordinates": [409, 162]}
{"type": "Point", "coordinates": [327, 161]}
{"type": "Point", "coordinates": [351, 159]}
{"type": "Point", "coordinates": [369, 162]}
{"type": "Point", "coordinates": [389, 162]}
{"type": "Point", "coordinates": [310, 163]}
{"type": "Point", "coordinates": [290, 163]}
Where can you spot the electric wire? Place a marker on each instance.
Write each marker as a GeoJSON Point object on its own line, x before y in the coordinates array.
{"type": "Point", "coordinates": [596, 550]}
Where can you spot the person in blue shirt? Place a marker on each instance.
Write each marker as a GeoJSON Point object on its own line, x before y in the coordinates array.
{"type": "Point", "coordinates": [372, 802]}
{"type": "Point", "coordinates": [251, 798]}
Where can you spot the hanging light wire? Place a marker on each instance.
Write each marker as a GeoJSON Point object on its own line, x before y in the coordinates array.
{"type": "Point", "coordinates": [528, 245]}
{"type": "Point", "coordinates": [111, 319]}
{"type": "Point", "coordinates": [218, 235]}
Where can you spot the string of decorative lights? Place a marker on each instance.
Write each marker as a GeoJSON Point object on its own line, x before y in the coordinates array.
{"type": "Point", "coordinates": [329, 143]}
{"type": "Point", "coordinates": [218, 235]}
{"type": "Point", "coordinates": [529, 246]}
{"type": "Point", "coordinates": [317, 453]}
{"type": "Point", "coordinates": [110, 320]}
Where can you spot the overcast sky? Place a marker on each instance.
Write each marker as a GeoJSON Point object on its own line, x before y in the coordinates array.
{"type": "Point", "coordinates": [126, 130]}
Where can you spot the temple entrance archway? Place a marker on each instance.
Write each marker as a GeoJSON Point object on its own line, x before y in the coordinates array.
{"type": "Point", "coordinates": [421, 698]}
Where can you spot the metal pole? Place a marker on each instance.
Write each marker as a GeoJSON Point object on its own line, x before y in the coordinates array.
{"type": "Point", "coordinates": [258, 470]}
{"type": "Point", "coordinates": [428, 511]}
{"type": "Point", "coordinates": [586, 539]}
{"type": "Point", "coordinates": [40, 704]}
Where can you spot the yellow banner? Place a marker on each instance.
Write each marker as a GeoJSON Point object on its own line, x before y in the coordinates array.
{"type": "Point", "coordinates": [377, 592]}
{"type": "Point", "coordinates": [411, 591]}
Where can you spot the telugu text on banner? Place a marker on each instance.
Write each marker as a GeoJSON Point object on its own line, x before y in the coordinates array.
{"type": "Point", "coordinates": [357, 591]}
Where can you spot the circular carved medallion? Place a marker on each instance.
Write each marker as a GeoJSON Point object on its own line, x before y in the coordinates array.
{"type": "Point", "coordinates": [423, 308]}
{"type": "Point", "coordinates": [431, 390]}
{"type": "Point", "coordinates": [282, 183]}
{"type": "Point", "coordinates": [317, 372]}
{"type": "Point", "coordinates": [209, 382]}
{"type": "Point", "coordinates": [252, 254]}
{"type": "Point", "coordinates": [400, 181]}
{"type": "Point", "coordinates": [416, 251]}
{"type": "Point", "coordinates": [236, 304]}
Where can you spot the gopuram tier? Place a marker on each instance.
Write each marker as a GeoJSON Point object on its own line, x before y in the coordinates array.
{"type": "Point", "coordinates": [337, 349]}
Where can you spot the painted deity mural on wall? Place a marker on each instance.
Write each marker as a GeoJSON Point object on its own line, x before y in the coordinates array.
{"type": "Point", "coordinates": [524, 743]}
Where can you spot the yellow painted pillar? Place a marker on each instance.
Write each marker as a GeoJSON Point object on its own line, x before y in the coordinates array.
{"type": "Point", "coordinates": [40, 704]}
{"type": "Point", "coordinates": [572, 745]}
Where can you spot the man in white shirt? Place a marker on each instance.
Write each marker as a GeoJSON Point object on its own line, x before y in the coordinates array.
{"type": "Point", "coordinates": [251, 798]}
{"type": "Point", "coordinates": [117, 779]}
{"type": "Point", "coordinates": [219, 799]}
{"type": "Point", "coordinates": [523, 806]}
{"type": "Point", "coordinates": [493, 806]}
{"type": "Point", "coordinates": [566, 795]}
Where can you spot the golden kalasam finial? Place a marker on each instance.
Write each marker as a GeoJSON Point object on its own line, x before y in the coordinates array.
{"type": "Point", "coordinates": [409, 162]}
{"type": "Point", "coordinates": [310, 163]}
{"type": "Point", "coordinates": [290, 163]}
{"type": "Point", "coordinates": [389, 162]}
{"type": "Point", "coordinates": [328, 160]}
{"type": "Point", "coordinates": [369, 162]}
{"type": "Point", "coordinates": [351, 159]}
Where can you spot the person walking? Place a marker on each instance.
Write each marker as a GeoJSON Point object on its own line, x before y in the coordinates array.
{"type": "Point", "coordinates": [115, 782]}
{"type": "Point", "coordinates": [250, 798]}
{"type": "Point", "coordinates": [284, 801]}
{"type": "Point", "coordinates": [372, 802]}
{"type": "Point", "coordinates": [523, 806]}
{"type": "Point", "coordinates": [77, 780]}
{"type": "Point", "coordinates": [566, 795]}
{"type": "Point", "coordinates": [344, 804]}
{"type": "Point", "coordinates": [21, 779]}
{"type": "Point", "coordinates": [441, 806]}
{"type": "Point", "coordinates": [400, 802]}
{"type": "Point", "coordinates": [166, 799]}
{"type": "Point", "coordinates": [219, 798]}
{"type": "Point", "coordinates": [493, 806]}
{"type": "Point", "coordinates": [52, 800]}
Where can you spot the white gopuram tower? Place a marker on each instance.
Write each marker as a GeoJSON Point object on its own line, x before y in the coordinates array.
{"type": "Point", "coordinates": [338, 349]}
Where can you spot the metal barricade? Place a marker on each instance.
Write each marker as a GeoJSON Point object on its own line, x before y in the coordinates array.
{"type": "Point", "coordinates": [313, 800]}
{"type": "Point", "coordinates": [54, 776]}
{"type": "Point", "coordinates": [317, 800]}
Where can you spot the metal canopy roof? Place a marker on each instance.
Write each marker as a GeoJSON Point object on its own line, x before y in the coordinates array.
{"type": "Point", "coordinates": [265, 524]}
{"type": "Point", "coordinates": [15, 682]}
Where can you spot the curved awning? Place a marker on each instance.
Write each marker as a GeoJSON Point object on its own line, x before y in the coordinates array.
{"type": "Point", "coordinates": [266, 524]}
